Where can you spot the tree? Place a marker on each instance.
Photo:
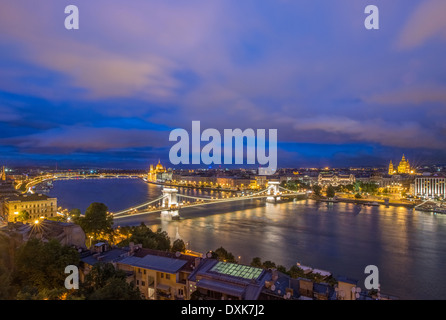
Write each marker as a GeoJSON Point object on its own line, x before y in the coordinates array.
{"type": "Point", "coordinates": [104, 282]}
{"type": "Point", "coordinates": [296, 272]}
{"type": "Point", "coordinates": [368, 187]}
{"type": "Point", "coordinates": [330, 191]}
{"type": "Point", "coordinates": [269, 265]}
{"type": "Point", "coordinates": [97, 221]}
{"type": "Point", "coordinates": [40, 266]}
{"type": "Point", "coordinates": [282, 269]}
{"type": "Point", "coordinates": [317, 189]}
{"type": "Point", "coordinates": [358, 196]}
{"type": "Point", "coordinates": [75, 215]}
{"type": "Point", "coordinates": [143, 235]}
{"type": "Point", "coordinates": [223, 255]}
{"type": "Point", "coordinates": [5, 283]}
{"type": "Point", "coordinates": [178, 245]}
{"type": "Point", "coordinates": [23, 215]}
{"type": "Point", "coordinates": [256, 262]}
{"type": "Point", "coordinates": [125, 231]}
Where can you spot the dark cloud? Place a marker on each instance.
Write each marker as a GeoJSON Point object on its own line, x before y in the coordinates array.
{"type": "Point", "coordinates": [134, 71]}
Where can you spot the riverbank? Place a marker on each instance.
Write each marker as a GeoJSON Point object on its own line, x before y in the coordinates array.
{"type": "Point", "coordinates": [192, 187]}
{"type": "Point", "coordinates": [367, 202]}
{"type": "Point", "coordinates": [338, 237]}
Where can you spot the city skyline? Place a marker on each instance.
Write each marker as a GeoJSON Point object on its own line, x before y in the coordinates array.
{"type": "Point", "coordinates": [109, 93]}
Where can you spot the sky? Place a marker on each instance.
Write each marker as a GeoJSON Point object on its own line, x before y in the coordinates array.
{"type": "Point", "coordinates": [109, 93]}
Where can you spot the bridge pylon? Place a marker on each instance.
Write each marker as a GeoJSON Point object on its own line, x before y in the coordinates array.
{"type": "Point", "coordinates": [171, 208]}
{"type": "Point", "coordinates": [273, 191]}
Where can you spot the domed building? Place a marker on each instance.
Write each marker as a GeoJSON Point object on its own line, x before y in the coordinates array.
{"type": "Point", "coordinates": [403, 167]}
{"type": "Point", "coordinates": [159, 173]}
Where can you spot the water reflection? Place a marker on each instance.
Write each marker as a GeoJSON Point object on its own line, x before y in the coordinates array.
{"type": "Point", "coordinates": [399, 241]}
{"type": "Point", "coordinates": [409, 247]}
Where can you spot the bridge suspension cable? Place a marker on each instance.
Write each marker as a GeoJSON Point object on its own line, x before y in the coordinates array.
{"type": "Point", "coordinates": [139, 206]}
{"type": "Point", "coordinates": [220, 199]}
{"type": "Point", "coordinates": [208, 200]}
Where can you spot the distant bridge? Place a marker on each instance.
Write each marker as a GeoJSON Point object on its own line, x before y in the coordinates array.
{"type": "Point", "coordinates": [74, 176]}
{"type": "Point", "coordinates": [169, 202]}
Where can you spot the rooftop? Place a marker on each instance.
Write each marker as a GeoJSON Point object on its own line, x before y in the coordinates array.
{"type": "Point", "coordinates": [243, 281]}
{"type": "Point", "coordinates": [158, 263]}
{"type": "Point", "coordinates": [112, 255]}
{"type": "Point", "coordinates": [142, 252]}
{"type": "Point", "coordinates": [347, 280]}
{"type": "Point", "coordinates": [237, 270]}
{"type": "Point", "coordinates": [29, 197]}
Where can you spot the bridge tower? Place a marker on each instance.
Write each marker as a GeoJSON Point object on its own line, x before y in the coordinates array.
{"type": "Point", "coordinates": [170, 204]}
{"type": "Point", "coordinates": [273, 191]}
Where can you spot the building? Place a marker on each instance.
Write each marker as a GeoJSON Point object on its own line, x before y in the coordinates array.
{"type": "Point", "coordinates": [160, 275]}
{"type": "Point", "coordinates": [325, 179]}
{"type": "Point", "coordinates": [224, 182]}
{"type": "Point", "coordinates": [159, 173]}
{"type": "Point", "coordinates": [102, 253]}
{"type": "Point", "coordinates": [279, 286]}
{"type": "Point", "coordinates": [391, 169]}
{"type": "Point", "coordinates": [430, 187]}
{"type": "Point", "coordinates": [218, 280]}
{"type": "Point", "coordinates": [36, 205]}
{"type": "Point", "coordinates": [346, 288]}
{"type": "Point", "coordinates": [403, 167]}
{"type": "Point", "coordinates": [6, 190]}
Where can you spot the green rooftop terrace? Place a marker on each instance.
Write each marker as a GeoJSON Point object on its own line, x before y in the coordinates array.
{"type": "Point", "coordinates": [237, 270]}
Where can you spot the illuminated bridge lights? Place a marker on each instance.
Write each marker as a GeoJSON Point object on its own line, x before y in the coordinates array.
{"type": "Point", "coordinates": [171, 198]}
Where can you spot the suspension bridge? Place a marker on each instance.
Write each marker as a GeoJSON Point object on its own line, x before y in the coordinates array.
{"type": "Point", "coordinates": [170, 202]}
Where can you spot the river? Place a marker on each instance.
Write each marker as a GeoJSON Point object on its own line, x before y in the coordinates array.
{"type": "Point", "coordinates": [408, 247]}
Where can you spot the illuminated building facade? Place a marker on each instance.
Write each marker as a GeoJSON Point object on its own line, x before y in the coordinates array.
{"type": "Point", "coordinates": [403, 167]}
{"type": "Point", "coordinates": [37, 206]}
{"type": "Point", "coordinates": [430, 187]}
{"type": "Point", "coordinates": [159, 173]}
{"type": "Point", "coordinates": [335, 179]}
{"type": "Point", "coordinates": [160, 275]}
{"type": "Point", "coordinates": [391, 170]}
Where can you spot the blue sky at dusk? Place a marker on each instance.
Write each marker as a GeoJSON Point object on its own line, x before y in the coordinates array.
{"type": "Point", "coordinates": [109, 93]}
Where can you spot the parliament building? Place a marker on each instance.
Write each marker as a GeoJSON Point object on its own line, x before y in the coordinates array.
{"type": "Point", "coordinates": [159, 173]}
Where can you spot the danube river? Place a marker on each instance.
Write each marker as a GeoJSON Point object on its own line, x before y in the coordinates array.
{"type": "Point", "coordinates": [408, 247]}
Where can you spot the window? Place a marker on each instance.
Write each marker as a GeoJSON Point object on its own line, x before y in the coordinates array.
{"type": "Point", "coordinates": [167, 276]}
{"type": "Point", "coordinates": [162, 275]}
{"type": "Point", "coordinates": [144, 271]}
{"type": "Point", "coordinates": [143, 283]}
{"type": "Point", "coordinates": [137, 282]}
{"type": "Point", "coordinates": [180, 292]}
